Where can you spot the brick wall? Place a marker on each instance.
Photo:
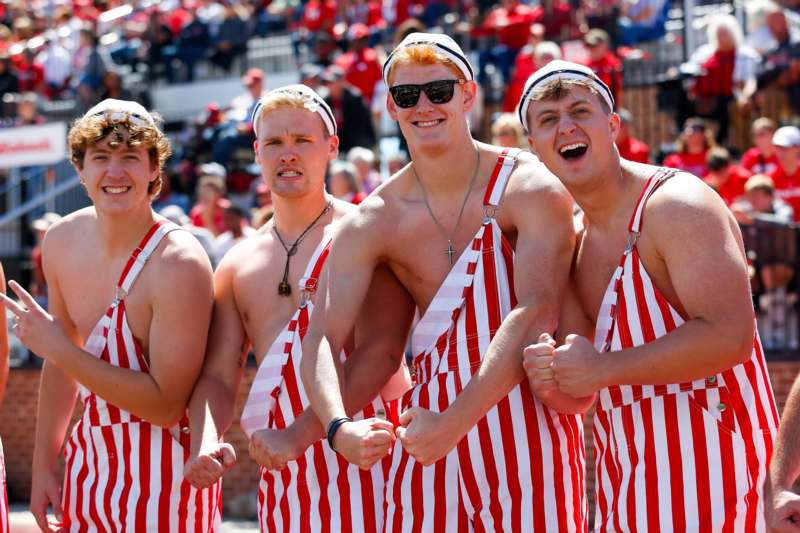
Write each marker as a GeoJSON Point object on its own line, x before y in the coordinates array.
{"type": "Point", "coordinates": [18, 420]}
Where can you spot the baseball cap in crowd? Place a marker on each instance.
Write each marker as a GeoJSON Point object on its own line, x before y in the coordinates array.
{"type": "Point", "coordinates": [787, 137]}
{"type": "Point", "coordinates": [44, 222]}
{"type": "Point", "coordinates": [595, 37]}
{"type": "Point", "coordinates": [443, 44]}
{"type": "Point", "coordinates": [212, 169]}
{"type": "Point", "coordinates": [357, 31]}
{"type": "Point", "coordinates": [309, 71]}
{"type": "Point", "coordinates": [759, 182]}
{"type": "Point", "coordinates": [253, 75]}
{"type": "Point", "coordinates": [333, 73]}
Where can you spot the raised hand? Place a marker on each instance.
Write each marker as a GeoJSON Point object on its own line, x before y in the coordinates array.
{"type": "Point", "coordinates": [204, 469]}
{"type": "Point", "coordinates": [38, 330]}
{"type": "Point", "coordinates": [425, 435]}
{"type": "Point", "coordinates": [577, 367]}
{"type": "Point", "coordinates": [537, 360]}
{"type": "Point", "coordinates": [364, 442]}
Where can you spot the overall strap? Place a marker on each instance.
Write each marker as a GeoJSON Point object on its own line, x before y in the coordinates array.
{"type": "Point", "coordinates": [140, 256]}
{"type": "Point", "coordinates": [497, 183]}
{"type": "Point", "coordinates": [310, 280]}
{"type": "Point", "coordinates": [635, 225]}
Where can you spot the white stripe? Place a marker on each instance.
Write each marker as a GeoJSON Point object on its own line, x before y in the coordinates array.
{"type": "Point", "coordinates": [663, 474]}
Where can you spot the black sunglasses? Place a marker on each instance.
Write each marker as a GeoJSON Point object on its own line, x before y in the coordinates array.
{"type": "Point", "coordinates": [438, 92]}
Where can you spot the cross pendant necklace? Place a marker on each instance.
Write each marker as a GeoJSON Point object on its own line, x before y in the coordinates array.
{"type": "Point", "coordinates": [450, 252]}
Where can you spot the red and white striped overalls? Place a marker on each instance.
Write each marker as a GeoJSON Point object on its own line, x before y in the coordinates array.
{"type": "Point", "coordinates": [684, 456]}
{"type": "Point", "coordinates": [4, 526]}
{"type": "Point", "coordinates": [124, 474]}
{"type": "Point", "coordinates": [521, 468]}
{"type": "Point", "coordinates": [320, 491]}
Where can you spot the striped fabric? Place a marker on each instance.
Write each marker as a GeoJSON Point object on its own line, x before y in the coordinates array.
{"type": "Point", "coordinates": [320, 491]}
{"type": "Point", "coordinates": [521, 468]}
{"type": "Point", "coordinates": [122, 472]}
{"type": "Point", "coordinates": [684, 456]}
{"type": "Point", "coordinates": [4, 525]}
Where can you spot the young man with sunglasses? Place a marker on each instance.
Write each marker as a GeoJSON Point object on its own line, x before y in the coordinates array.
{"type": "Point", "coordinates": [468, 222]}
{"type": "Point", "coordinates": [264, 296]}
{"type": "Point", "coordinates": [129, 305]}
{"type": "Point", "coordinates": [685, 417]}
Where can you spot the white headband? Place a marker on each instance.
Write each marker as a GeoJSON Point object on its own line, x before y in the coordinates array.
{"type": "Point", "coordinates": [120, 110]}
{"type": "Point", "coordinates": [561, 70]}
{"type": "Point", "coordinates": [317, 106]}
{"type": "Point", "coordinates": [444, 44]}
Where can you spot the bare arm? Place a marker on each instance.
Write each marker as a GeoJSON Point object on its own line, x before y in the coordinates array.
{"type": "Point", "coordinates": [183, 288]}
{"type": "Point", "coordinates": [709, 275]}
{"type": "Point", "coordinates": [3, 341]}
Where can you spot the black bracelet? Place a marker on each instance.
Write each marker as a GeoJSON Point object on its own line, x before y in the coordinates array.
{"type": "Point", "coordinates": [334, 426]}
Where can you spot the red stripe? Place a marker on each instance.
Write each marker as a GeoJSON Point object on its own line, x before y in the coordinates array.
{"type": "Point", "coordinates": [535, 455]}
{"type": "Point", "coordinates": [113, 466]}
{"type": "Point", "coordinates": [558, 465]}
{"type": "Point", "coordinates": [417, 507]}
{"type": "Point", "coordinates": [144, 474]}
{"type": "Point", "coordinates": [651, 466]}
{"type": "Point", "coordinates": [69, 454]}
{"type": "Point", "coordinates": [82, 474]}
{"type": "Point", "coordinates": [323, 480]}
{"type": "Point", "coordinates": [138, 250]}
{"type": "Point", "coordinates": [639, 203]}
{"type": "Point", "coordinates": [601, 505]}
{"type": "Point", "coordinates": [633, 458]}
{"type": "Point", "coordinates": [487, 196]}
{"type": "Point", "coordinates": [440, 517]}
{"type": "Point", "coordinates": [701, 465]}
{"type": "Point", "coordinates": [165, 483]}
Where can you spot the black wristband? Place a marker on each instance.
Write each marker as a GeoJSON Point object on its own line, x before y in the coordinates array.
{"type": "Point", "coordinates": [334, 426]}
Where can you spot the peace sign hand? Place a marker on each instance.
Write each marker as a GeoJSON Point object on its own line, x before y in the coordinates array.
{"type": "Point", "coordinates": [38, 330]}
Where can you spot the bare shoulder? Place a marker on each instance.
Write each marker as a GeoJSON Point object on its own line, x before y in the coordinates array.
{"type": "Point", "coordinates": [378, 211]}
{"type": "Point", "coordinates": [244, 253]}
{"type": "Point", "coordinates": [181, 261]}
{"type": "Point", "coordinates": [72, 228]}
{"type": "Point", "coordinates": [533, 186]}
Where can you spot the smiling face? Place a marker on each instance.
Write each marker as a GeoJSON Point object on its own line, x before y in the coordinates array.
{"type": "Point", "coordinates": [293, 149]}
{"type": "Point", "coordinates": [427, 124]}
{"type": "Point", "coordinates": [573, 135]}
{"type": "Point", "coordinates": [116, 175]}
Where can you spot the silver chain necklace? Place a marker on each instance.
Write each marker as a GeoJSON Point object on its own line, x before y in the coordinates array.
{"type": "Point", "coordinates": [450, 250]}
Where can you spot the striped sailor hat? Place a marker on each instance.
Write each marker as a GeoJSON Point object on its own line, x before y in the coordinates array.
{"type": "Point", "coordinates": [120, 110]}
{"type": "Point", "coordinates": [444, 44]}
{"type": "Point", "coordinates": [563, 70]}
{"type": "Point", "coordinates": [315, 104]}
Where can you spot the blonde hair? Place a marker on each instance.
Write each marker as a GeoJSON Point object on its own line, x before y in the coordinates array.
{"type": "Point", "coordinates": [559, 88]}
{"type": "Point", "coordinates": [89, 130]}
{"type": "Point", "coordinates": [421, 54]}
{"type": "Point", "coordinates": [286, 100]}
{"type": "Point", "coordinates": [508, 121]}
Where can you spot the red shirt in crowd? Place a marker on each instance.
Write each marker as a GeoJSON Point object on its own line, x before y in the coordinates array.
{"type": "Point", "coordinates": [691, 163]}
{"type": "Point", "coordinates": [361, 69]}
{"type": "Point", "coordinates": [30, 75]}
{"type": "Point", "coordinates": [318, 15]}
{"type": "Point", "coordinates": [787, 188]}
{"type": "Point", "coordinates": [733, 187]}
{"type": "Point", "coordinates": [196, 216]}
{"type": "Point", "coordinates": [718, 80]}
{"type": "Point", "coordinates": [634, 150]}
{"type": "Point", "coordinates": [368, 13]}
{"type": "Point", "coordinates": [524, 66]}
{"type": "Point", "coordinates": [558, 22]}
{"type": "Point", "coordinates": [512, 26]}
{"type": "Point", "coordinates": [754, 161]}
{"type": "Point", "coordinates": [609, 69]}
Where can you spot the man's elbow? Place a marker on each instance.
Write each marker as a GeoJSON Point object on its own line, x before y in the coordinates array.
{"type": "Point", "coordinates": [739, 343]}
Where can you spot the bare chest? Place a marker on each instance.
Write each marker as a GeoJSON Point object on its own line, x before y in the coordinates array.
{"type": "Point", "coordinates": [264, 312]}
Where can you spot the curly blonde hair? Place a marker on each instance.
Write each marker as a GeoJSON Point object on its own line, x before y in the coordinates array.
{"type": "Point", "coordinates": [88, 131]}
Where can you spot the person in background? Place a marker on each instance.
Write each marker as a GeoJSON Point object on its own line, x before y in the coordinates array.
{"type": "Point", "coordinates": [176, 214]}
{"type": "Point", "coordinates": [364, 161]}
{"type": "Point", "coordinates": [780, 66]}
{"type": "Point", "coordinates": [630, 147]}
{"type": "Point", "coordinates": [525, 64]}
{"type": "Point", "coordinates": [209, 210]}
{"type": "Point", "coordinates": [642, 20]}
{"type": "Point", "coordinates": [343, 182]}
{"type": "Point", "coordinates": [264, 209]}
{"type": "Point", "coordinates": [508, 132]}
{"type": "Point", "coordinates": [729, 69]}
{"type": "Point", "coordinates": [787, 176]}
{"type": "Point", "coordinates": [349, 110]}
{"type": "Point", "coordinates": [237, 227]}
{"type": "Point", "coordinates": [604, 62]}
{"type": "Point", "coordinates": [360, 63]}
{"type": "Point", "coordinates": [761, 158]}
{"type": "Point", "coordinates": [692, 147]}
{"type": "Point", "coordinates": [723, 176]}
{"type": "Point", "coordinates": [231, 38]}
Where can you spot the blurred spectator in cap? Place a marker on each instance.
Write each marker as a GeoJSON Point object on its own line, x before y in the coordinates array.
{"type": "Point", "coordinates": [510, 24]}
{"type": "Point", "coordinates": [30, 75]}
{"type": "Point", "coordinates": [642, 20]}
{"type": "Point", "coordinates": [558, 19]}
{"type": "Point", "coordinates": [318, 15]}
{"type": "Point", "coordinates": [311, 75]}
{"type": "Point", "coordinates": [352, 116]}
{"type": "Point", "coordinates": [177, 215]}
{"type": "Point", "coordinates": [723, 176]}
{"type": "Point", "coordinates": [360, 64]}
{"type": "Point", "coordinates": [157, 40]}
{"type": "Point", "coordinates": [28, 110]}
{"type": "Point", "coordinates": [194, 40]}
{"type": "Point", "coordinates": [692, 148]}
{"type": "Point", "coordinates": [238, 132]}
{"type": "Point", "coordinates": [760, 202]}
{"type": "Point", "coordinates": [364, 160]}
{"type": "Point", "coordinates": [604, 62]}
{"type": "Point", "coordinates": [241, 107]}
{"type": "Point", "coordinates": [56, 62]}
{"type": "Point", "coordinates": [237, 227]}
{"type": "Point", "coordinates": [38, 285]}
{"type": "Point", "coordinates": [343, 182]}
{"type": "Point", "coordinates": [231, 38]}
{"type": "Point", "coordinates": [729, 70]}
{"type": "Point", "coordinates": [508, 133]}
{"type": "Point", "coordinates": [112, 87]}
{"type": "Point", "coordinates": [211, 204]}
{"type": "Point", "coordinates": [630, 147]}
{"type": "Point", "coordinates": [787, 176]}
{"type": "Point", "coordinates": [781, 63]}
{"type": "Point", "coordinates": [525, 64]}
{"type": "Point", "coordinates": [325, 49]}
{"type": "Point", "coordinates": [761, 158]}
{"type": "Point", "coordinates": [263, 209]}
